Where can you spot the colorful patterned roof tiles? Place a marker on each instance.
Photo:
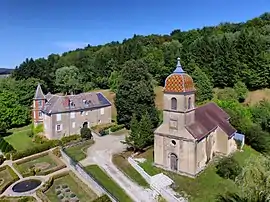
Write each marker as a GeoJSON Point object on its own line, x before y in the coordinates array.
{"type": "Point", "coordinates": [179, 81]}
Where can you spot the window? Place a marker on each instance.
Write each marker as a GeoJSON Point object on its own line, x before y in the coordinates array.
{"type": "Point", "coordinates": [173, 142]}
{"type": "Point", "coordinates": [173, 124]}
{"type": "Point", "coordinates": [189, 103]}
{"type": "Point", "coordinates": [58, 117]}
{"type": "Point", "coordinates": [173, 103]}
{"type": "Point", "coordinates": [40, 103]}
{"type": "Point", "coordinates": [73, 124]}
{"type": "Point", "coordinates": [72, 115]}
{"type": "Point", "coordinates": [82, 113]}
{"type": "Point", "coordinates": [58, 127]}
{"type": "Point", "coordinates": [102, 111]}
{"type": "Point", "coordinates": [39, 114]}
{"type": "Point", "coordinates": [86, 113]}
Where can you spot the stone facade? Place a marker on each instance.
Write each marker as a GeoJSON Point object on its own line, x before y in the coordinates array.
{"type": "Point", "coordinates": [190, 137]}
{"type": "Point", "coordinates": [66, 115]}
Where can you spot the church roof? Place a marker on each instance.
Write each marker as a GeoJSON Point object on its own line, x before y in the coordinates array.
{"type": "Point", "coordinates": [207, 118]}
{"type": "Point", "coordinates": [179, 81]}
{"type": "Point", "coordinates": [39, 93]}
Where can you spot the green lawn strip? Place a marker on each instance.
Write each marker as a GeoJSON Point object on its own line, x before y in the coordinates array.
{"type": "Point", "coordinates": [48, 163]}
{"type": "Point", "coordinates": [122, 163]}
{"type": "Point", "coordinates": [108, 183]}
{"type": "Point", "coordinates": [7, 176]}
{"type": "Point", "coordinates": [20, 140]}
{"type": "Point", "coordinates": [76, 186]}
{"type": "Point", "coordinates": [207, 186]}
{"type": "Point", "coordinates": [120, 132]}
{"type": "Point", "coordinates": [18, 199]}
{"type": "Point", "coordinates": [78, 152]}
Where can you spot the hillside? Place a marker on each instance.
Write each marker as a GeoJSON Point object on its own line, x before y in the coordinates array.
{"type": "Point", "coordinates": [5, 71]}
{"type": "Point", "coordinates": [227, 53]}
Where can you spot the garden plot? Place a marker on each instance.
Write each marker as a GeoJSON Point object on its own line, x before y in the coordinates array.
{"type": "Point", "coordinates": [42, 164]}
{"type": "Point", "coordinates": [7, 177]}
{"type": "Point", "coordinates": [69, 188]}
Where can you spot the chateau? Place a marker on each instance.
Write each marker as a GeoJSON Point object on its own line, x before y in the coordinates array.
{"type": "Point", "coordinates": [190, 136]}
{"type": "Point", "coordinates": [66, 115]}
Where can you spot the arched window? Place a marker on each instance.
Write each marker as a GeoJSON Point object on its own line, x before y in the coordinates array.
{"type": "Point", "coordinates": [173, 103]}
{"type": "Point", "coordinates": [189, 103]}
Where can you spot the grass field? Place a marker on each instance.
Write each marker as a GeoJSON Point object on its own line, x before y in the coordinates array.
{"type": "Point", "coordinates": [79, 152]}
{"type": "Point", "coordinates": [7, 177]}
{"type": "Point", "coordinates": [120, 160]}
{"type": "Point", "coordinates": [75, 185]}
{"type": "Point", "coordinates": [108, 183]}
{"type": "Point", "coordinates": [205, 187]}
{"type": "Point", "coordinates": [19, 138]}
{"type": "Point", "coordinates": [46, 163]}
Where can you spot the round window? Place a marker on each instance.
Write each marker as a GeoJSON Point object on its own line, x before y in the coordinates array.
{"type": "Point", "coordinates": [173, 142]}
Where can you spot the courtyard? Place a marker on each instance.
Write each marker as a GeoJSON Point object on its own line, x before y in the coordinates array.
{"type": "Point", "coordinates": [69, 188]}
{"type": "Point", "coordinates": [41, 164]}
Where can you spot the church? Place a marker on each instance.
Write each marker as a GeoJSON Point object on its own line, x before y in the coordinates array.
{"type": "Point", "coordinates": [190, 136]}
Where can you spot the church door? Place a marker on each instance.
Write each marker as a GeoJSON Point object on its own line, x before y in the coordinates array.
{"type": "Point", "coordinates": [174, 162]}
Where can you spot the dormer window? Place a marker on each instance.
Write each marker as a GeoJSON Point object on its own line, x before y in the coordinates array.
{"type": "Point", "coordinates": [173, 103]}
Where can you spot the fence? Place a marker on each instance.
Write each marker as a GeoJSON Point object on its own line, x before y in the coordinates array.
{"type": "Point", "coordinates": [164, 192]}
{"type": "Point", "coordinates": [87, 176]}
{"type": "Point", "coordinates": [144, 174]}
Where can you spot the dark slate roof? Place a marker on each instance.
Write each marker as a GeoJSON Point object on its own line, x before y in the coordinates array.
{"type": "Point", "coordinates": [84, 101]}
{"type": "Point", "coordinates": [207, 118]}
{"type": "Point", "coordinates": [39, 93]}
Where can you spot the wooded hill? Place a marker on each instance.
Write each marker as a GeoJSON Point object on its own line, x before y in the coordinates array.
{"type": "Point", "coordinates": [227, 53]}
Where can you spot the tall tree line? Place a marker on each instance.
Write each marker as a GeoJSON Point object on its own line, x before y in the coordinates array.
{"type": "Point", "coordinates": [226, 53]}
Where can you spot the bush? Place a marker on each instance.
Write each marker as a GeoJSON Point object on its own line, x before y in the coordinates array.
{"type": "Point", "coordinates": [38, 129]}
{"type": "Point", "coordinates": [57, 152]}
{"type": "Point", "coordinates": [47, 185]}
{"type": "Point", "coordinates": [30, 133]}
{"type": "Point", "coordinates": [70, 138]}
{"type": "Point", "coordinates": [40, 139]}
{"type": "Point", "coordinates": [86, 133]}
{"type": "Point", "coordinates": [103, 132]}
{"type": "Point", "coordinates": [103, 198]}
{"type": "Point", "coordinates": [8, 155]}
{"type": "Point", "coordinates": [117, 127]}
{"type": "Point", "coordinates": [2, 159]}
{"type": "Point", "coordinates": [228, 168]}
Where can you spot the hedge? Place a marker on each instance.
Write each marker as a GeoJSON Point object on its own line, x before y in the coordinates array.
{"type": "Point", "coordinates": [103, 198]}
{"type": "Point", "coordinates": [117, 127]}
{"type": "Point", "coordinates": [13, 175]}
{"type": "Point", "coordinates": [5, 146]}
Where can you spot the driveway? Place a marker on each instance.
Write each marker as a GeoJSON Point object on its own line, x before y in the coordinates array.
{"type": "Point", "coordinates": [101, 154]}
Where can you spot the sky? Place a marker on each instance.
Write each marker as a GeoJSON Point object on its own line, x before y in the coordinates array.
{"type": "Point", "coordinates": [37, 28]}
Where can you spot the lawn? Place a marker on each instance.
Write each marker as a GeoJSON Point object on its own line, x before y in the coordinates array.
{"type": "Point", "coordinates": [19, 138]}
{"type": "Point", "coordinates": [18, 199]}
{"type": "Point", "coordinates": [68, 185]}
{"type": "Point", "coordinates": [203, 188]}
{"type": "Point", "coordinates": [45, 163]}
{"type": "Point", "coordinates": [79, 152]}
{"type": "Point", "coordinates": [108, 183]}
{"type": "Point", "coordinates": [120, 160]}
{"type": "Point", "coordinates": [7, 177]}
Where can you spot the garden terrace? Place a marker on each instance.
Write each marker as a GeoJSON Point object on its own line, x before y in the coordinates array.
{"type": "Point", "coordinates": [7, 177]}
{"type": "Point", "coordinates": [108, 183]}
{"type": "Point", "coordinates": [40, 164]}
{"type": "Point", "coordinates": [205, 187]}
{"type": "Point", "coordinates": [78, 151]}
{"type": "Point", "coordinates": [67, 187]}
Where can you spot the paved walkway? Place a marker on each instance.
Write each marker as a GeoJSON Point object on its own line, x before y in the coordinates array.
{"type": "Point", "coordinates": [10, 163]}
{"type": "Point", "coordinates": [101, 154]}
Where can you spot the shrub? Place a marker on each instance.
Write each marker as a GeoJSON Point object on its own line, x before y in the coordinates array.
{"type": "Point", "coordinates": [40, 139]}
{"type": "Point", "coordinates": [8, 155]}
{"type": "Point", "coordinates": [30, 133]}
{"type": "Point", "coordinates": [64, 186]}
{"type": "Point", "coordinates": [86, 133]}
{"type": "Point", "coordinates": [228, 168]}
{"type": "Point", "coordinates": [103, 132]}
{"type": "Point", "coordinates": [241, 91]}
{"type": "Point", "coordinates": [38, 129]}
{"type": "Point", "coordinates": [117, 127]}
{"type": "Point", "coordinates": [72, 195]}
{"type": "Point", "coordinates": [2, 159]}
{"type": "Point", "coordinates": [103, 198]}
{"type": "Point", "coordinates": [70, 138]}
{"type": "Point", "coordinates": [47, 185]}
{"type": "Point", "coordinates": [58, 192]}
{"type": "Point", "coordinates": [57, 152]}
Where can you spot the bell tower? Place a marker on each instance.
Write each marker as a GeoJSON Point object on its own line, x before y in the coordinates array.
{"type": "Point", "coordinates": [38, 104]}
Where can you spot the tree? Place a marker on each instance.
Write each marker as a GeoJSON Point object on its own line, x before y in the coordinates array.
{"type": "Point", "coordinates": [86, 133]}
{"type": "Point", "coordinates": [227, 94]}
{"type": "Point", "coordinates": [241, 90]}
{"type": "Point", "coordinates": [261, 114]}
{"type": "Point", "coordinates": [141, 134]}
{"type": "Point", "coordinates": [228, 168]}
{"type": "Point", "coordinates": [204, 87]}
{"type": "Point", "coordinates": [135, 92]}
{"type": "Point", "coordinates": [68, 79]}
